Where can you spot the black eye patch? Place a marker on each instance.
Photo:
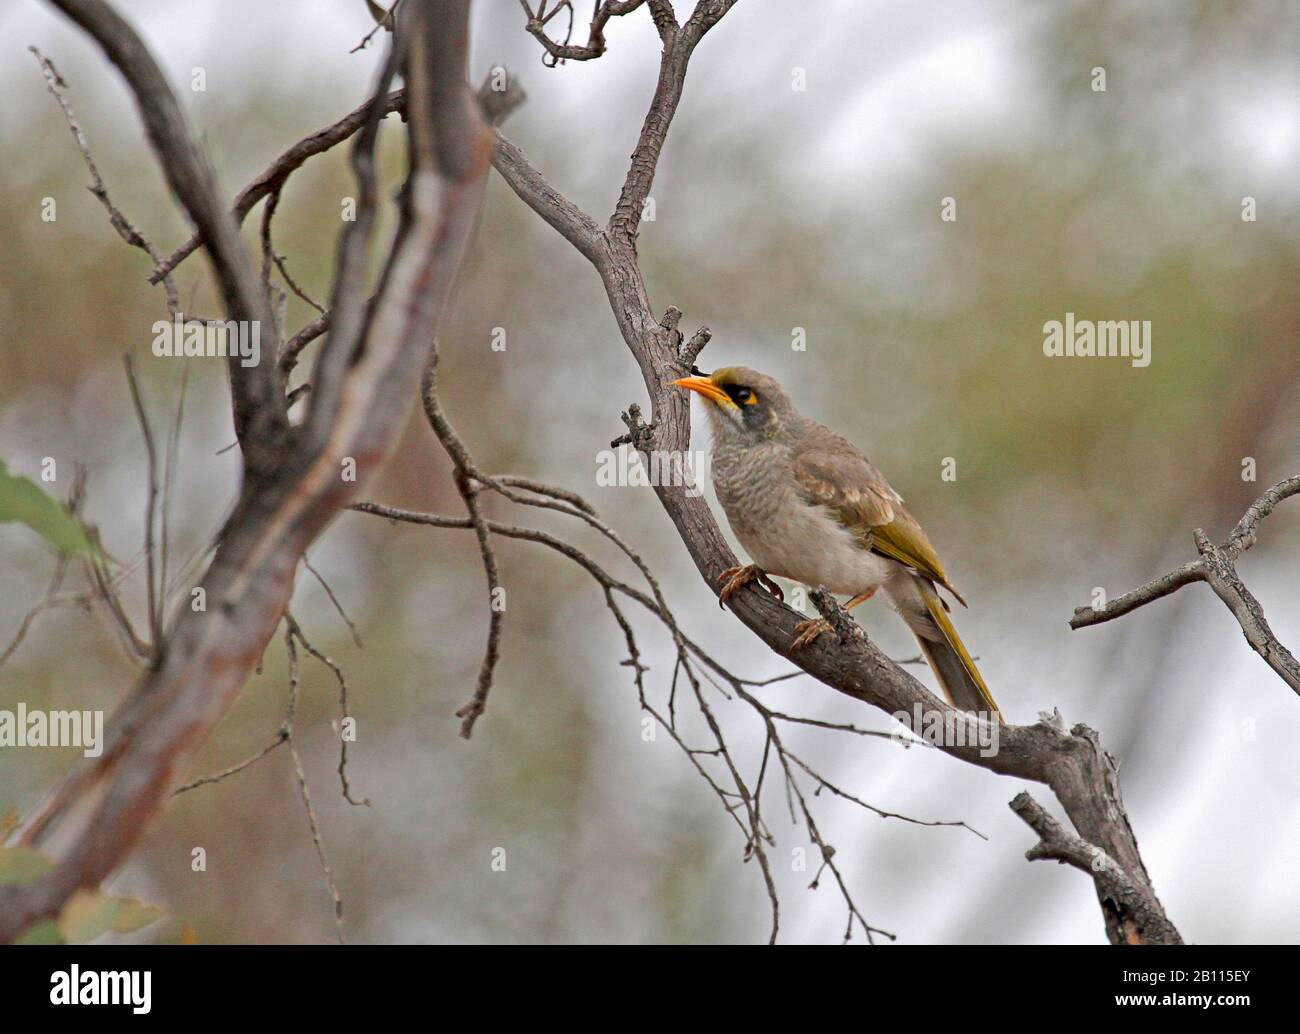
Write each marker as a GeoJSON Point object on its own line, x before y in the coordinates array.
{"type": "Point", "coordinates": [740, 394]}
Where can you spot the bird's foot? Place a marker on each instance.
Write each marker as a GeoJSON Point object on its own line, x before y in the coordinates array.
{"type": "Point", "coordinates": [733, 579]}
{"type": "Point", "coordinates": [806, 631]}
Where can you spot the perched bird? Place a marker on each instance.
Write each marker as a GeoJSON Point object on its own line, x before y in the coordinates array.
{"type": "Point", "coordinates": [809, 506]}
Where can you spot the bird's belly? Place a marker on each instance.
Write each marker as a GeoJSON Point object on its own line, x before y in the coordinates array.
{"type": "Point", "coordinates": [805, 544]}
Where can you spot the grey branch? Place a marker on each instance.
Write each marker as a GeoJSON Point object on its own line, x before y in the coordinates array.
{"type": "Point", "coordinates": [1111, 878]}
{"type": "Point", "coordinates": [279, 171]}
{"type": "Point", "coordinates": [260, 418]}
{"type": "Point", "coordinates": [566, 51]}
{"type": "Point", "coordinates": [360, 401]}
{"type": "Point", "coordinates": [468, 487]}
{"type": "Point", "coordinates": [1070, 762]}
{"type": "Point", "coordinates": [1216, 566]}
{"type": "Point", "coordinates": [694, 662]}
{"type": "Point", "coordinates": [679, 45]}
{"type": "Point", "coordinates": [574, 225]}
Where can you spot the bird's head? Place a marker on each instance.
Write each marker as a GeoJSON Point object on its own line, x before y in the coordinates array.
{"type": "Point", "coordinates": [743, 404]}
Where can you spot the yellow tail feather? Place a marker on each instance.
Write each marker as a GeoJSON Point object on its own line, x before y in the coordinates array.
{"type": "Point", "coordinates": [940, 616]}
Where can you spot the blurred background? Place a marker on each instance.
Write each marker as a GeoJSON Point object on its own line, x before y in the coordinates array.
{"type": "Point", "coordinates": [777, 208]}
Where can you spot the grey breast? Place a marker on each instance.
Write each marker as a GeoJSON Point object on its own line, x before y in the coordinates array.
{"type": "Point", "coordinates": [753, 484]}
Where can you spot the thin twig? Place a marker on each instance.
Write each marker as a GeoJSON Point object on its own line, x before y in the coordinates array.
{"type": "Point", "coordinates": [326, 870]}
{"type": "Point", "coordinates": [281, 736]}
{"type": "Point", "coordinates": [1216, 566]}
{"type": "Point", "coordinates": [356, 636]}
{"type": "Point", "coordinates": [153, 586]}
{"type": "Point", "coordinates": [345, 710]}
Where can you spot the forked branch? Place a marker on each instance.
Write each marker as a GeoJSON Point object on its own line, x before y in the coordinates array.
{"type": "Point", "coordinates": [1070, 761]}
{"type": "Point", "coordinates": [293, 482]}
{"type": "Point", "coordinates": [1217, 567]}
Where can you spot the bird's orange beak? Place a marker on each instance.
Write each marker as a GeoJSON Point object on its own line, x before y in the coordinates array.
{"type": "Point", "coordinates": [704, 386]}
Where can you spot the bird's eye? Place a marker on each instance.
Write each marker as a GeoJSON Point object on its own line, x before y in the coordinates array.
{"type": "Point", "coordinates": [744, 395]}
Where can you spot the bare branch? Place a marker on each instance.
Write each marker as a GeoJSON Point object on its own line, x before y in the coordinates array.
{"type": "Point", "coordinates": [383, 20]}
{"type": "Point", "coordinates": [260, 419]}
{"type": "Point", "coordinates": [326, 870]}
{"type": "Point", "coordinates": [665, 18]}
{"type": "Point", "coordinates": [595, 45]}
{"type": "Point", "coordinates": [345, 710]}
{"type": "Point", "coordinates": [334, 600]}
{"type": "Point", "coordinates": [678, 47]}
{"type": "Point", "coordinates": [294, 346]}
{"type": "Point", "coordinates": [1111, 878]}
{"type": "Point", "coordinates": [1072, 763]}
{"type": "Point", "coordinates": [741, 798]}
{"type": "Point", "coordinates": [468, 489]}
{"type": "Point", "coordinates": [1217, 567]}
{"type": "Point", "coordinates": [574, 225]}
{"type": "Point", "coordinates": [1228, 586]}
{"type": "Point", "coordinates": [153, 586]}
{"type": "Point", "coordinates": [124, 227]}
{"type": "Point", "coordinates": [169, 473]}
{"type": "Point", "coordinates": [279, 171]}
{"type": "Point", "coordinates": [91, 822]}
{"type": "Point", "coordinates": [281, 736]}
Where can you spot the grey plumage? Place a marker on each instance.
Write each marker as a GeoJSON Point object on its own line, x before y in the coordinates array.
{"type": "Point", "coordinates": [808, 505]}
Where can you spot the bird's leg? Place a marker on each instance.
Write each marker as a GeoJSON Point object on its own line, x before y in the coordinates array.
{"type": "Point", "coordinates": [807, 631]}
{"type": "Point", "coordinates": [736, 578]}
{"type": "Point", "coordinates": [860, 599]}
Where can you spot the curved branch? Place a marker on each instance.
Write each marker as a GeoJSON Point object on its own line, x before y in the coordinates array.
{"type": "Point", "coordinates": [93, 820]}
{"type": "Point", "coordinates": [1216, 566]}
{"type": "Point", "coordinates": [1111, 878]}
{"type": "Point", "coordinates": [573, 224]}
{"type": "Point", "coordinates": [679, 45]}
{"type": "Point", "coordinates": [261, 421]}
{"type": "Point", "coordinates": [274, 176]}
{"type": "Point", "coordinates": [566, 51]}
{"type": "Point", "coordinates": [1071, 762]}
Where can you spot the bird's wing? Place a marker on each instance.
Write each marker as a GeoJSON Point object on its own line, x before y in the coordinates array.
{"type": "Point", "coordinates": [832, 472]}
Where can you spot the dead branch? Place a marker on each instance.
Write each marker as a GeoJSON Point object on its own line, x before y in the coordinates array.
{"type": "Point", "coordinates": [1072, 763]}
{"type": "Point", "coordinates": [293, 483]}
{"type": "Point", "coordinates": [312, 824]}
{"type": "Point", "coordinates": [1067, 848]}
{"type": "Point", "coordinates": [1217, 567]}
{"type": "Point", "coordinates": [278, 172]}
{"type": "Point", "coordinates": [744, 796]}
{"type": "Point", "coordinates": [260, 419]}
{"type": "Point", "coordinates": [557, 53]}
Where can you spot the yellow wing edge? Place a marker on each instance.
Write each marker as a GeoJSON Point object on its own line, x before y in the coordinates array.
{"type": "Point", "coordinates": [940, 615]}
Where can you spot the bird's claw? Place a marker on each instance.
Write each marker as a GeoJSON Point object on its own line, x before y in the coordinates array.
{"type": "Point", "coordinates": [733, 579]}
{"type": "Point", "coordinates": [807, 631]}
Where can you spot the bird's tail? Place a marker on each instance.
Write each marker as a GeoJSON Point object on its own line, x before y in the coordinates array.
{"type": "Point", "coordinates": [919, 605]}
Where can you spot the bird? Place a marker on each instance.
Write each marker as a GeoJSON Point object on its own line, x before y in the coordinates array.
{"type": "Point", "coordinates": [807, 505]}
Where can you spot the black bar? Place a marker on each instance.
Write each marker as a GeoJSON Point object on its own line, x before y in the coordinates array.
{"type": "Point", "coordinates": [218, 983]}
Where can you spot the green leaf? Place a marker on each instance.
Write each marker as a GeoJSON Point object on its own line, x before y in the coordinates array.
{"type": "Point", "coordinates": [87, 914]}
{"type": "Point", "coordinates": [20, 866]}
{"type": "Point", "coordinates": [21, 499]}
{"type": "Point", "coordinates": [90, 913]}
{"type": "Point", "coordinates": [46, 932]}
